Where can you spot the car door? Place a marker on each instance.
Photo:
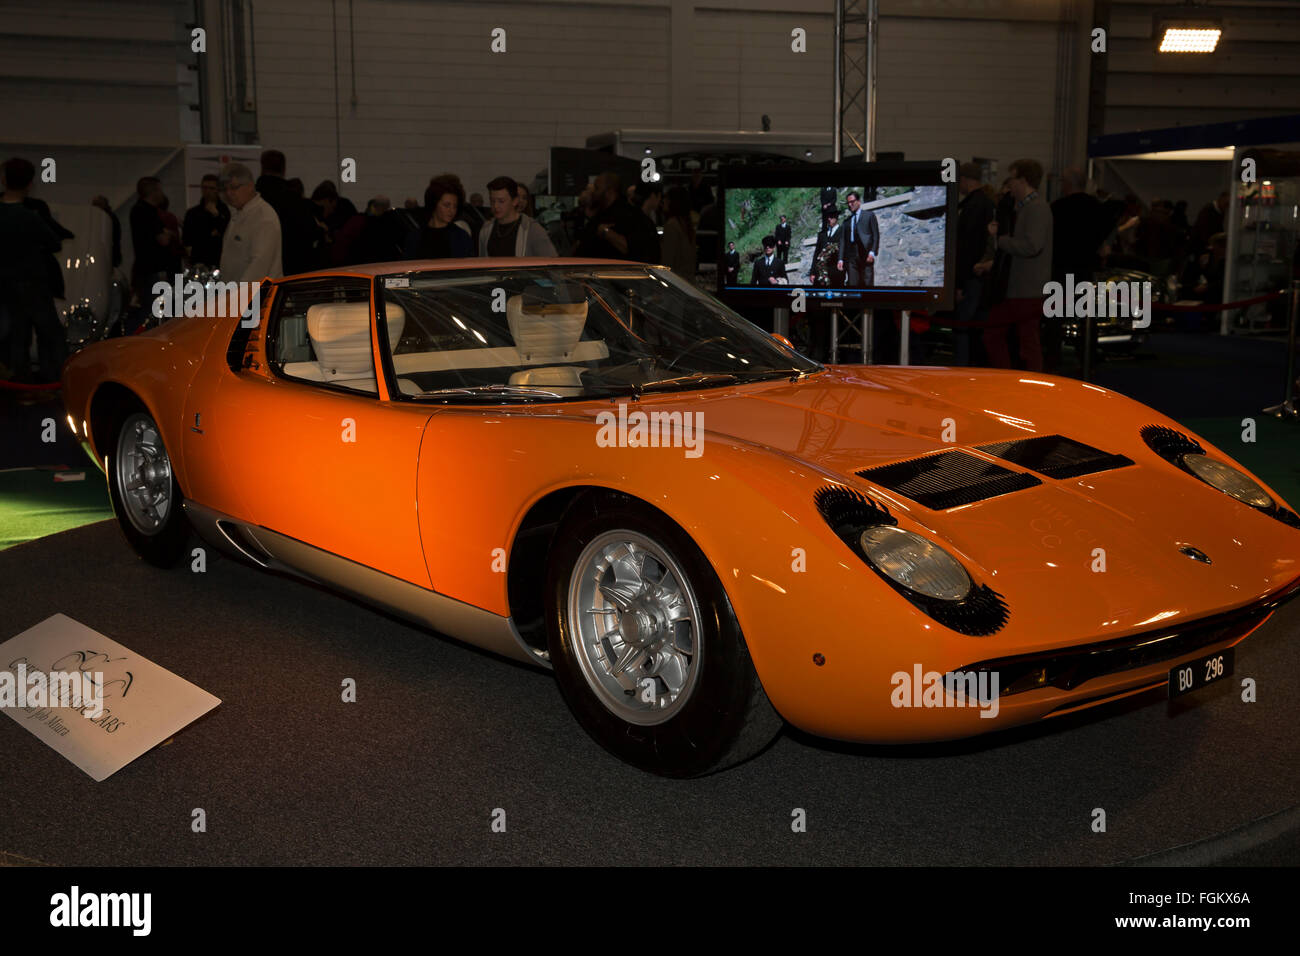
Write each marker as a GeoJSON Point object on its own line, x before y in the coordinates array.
{"type": "Point", "coordinates": [297, 437]}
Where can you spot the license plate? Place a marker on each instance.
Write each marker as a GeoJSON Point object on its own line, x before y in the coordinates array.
{"type": "Point", "coordinates": [1194, 675]}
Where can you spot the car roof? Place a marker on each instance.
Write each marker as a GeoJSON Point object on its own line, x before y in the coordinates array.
{"type": "Point", "coordinates": [405, 266]}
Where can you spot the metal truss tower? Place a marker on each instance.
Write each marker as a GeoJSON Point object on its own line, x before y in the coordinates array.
{"type": "Point", "coordinates": [856, 30]}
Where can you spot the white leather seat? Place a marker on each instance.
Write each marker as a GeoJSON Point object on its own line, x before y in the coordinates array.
{"type": "Point", "coordinates": [340, 337]}
{"type": "Point", "coordinates": [547, 333]}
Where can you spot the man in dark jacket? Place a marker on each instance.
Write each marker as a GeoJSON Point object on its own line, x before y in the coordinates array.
{"type": "Point", "coordinates": [974, 213]}
{"type": "Point", "coordinates": [155, 257]}
{"type": "Point", "coordinates": [302, 241]}
{"type": "Point", "coordinates": [26, 243]}
{"type": "Point", "coordinates": [205, 225]}
{"type": "Point", "coordinates": [614, 229]}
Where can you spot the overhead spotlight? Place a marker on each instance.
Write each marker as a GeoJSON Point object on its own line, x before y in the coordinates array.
{"type": "Point", "coordinates": [1189, 34]}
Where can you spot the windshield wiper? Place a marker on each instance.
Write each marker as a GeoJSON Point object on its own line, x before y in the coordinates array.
{"type": "Point", "coordinates": [490, 390]}
{"type": "Point", "coordinates": [695, 378]}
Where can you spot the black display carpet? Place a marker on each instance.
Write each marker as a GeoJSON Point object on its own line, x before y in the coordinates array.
{"type": "Point", "coordinates": [442, 735]}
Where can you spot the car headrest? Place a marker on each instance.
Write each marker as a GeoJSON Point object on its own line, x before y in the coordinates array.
{"type": "Point", "coordinates": [340, 335]}
{"type": "Point", "coordinates": [545, 332]}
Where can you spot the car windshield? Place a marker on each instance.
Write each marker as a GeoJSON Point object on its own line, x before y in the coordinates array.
{"type": "Point", "coordinates": [548, 333]}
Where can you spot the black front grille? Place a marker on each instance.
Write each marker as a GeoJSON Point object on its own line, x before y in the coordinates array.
{"type": "Point", "coordinates": [1056, 456]}
{"type": "Point", "coordinates": [1071, 668]}
{"type": "Point", "coordinates": [948, 479]}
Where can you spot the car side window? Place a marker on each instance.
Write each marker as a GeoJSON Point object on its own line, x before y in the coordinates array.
{"type": "Point", "coordinates": [320, 333]}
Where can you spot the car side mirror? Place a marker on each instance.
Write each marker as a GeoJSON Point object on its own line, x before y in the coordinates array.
{"type": "Point", "coordinates": [783, 340]}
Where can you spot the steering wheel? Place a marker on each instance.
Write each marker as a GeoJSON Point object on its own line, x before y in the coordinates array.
{"type": "Point", "coordinates": [691, 348]}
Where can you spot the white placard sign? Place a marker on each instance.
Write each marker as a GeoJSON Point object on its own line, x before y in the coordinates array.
{"type": "Point", "coordinates": [116, 705]}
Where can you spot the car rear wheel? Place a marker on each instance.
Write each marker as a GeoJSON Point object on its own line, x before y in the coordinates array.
{"type": "Point", "coordinates": [646, 647]}
{"type": "Point", "coordinates": [144, 492]}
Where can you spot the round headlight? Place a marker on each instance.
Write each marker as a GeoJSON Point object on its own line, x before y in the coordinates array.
{"type": "Point", "coordinates": [915, 563]}
{"type": "Point", "coordinates": [1228, 480]}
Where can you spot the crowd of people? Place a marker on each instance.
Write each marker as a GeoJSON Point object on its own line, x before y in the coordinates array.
{"type": "Point", "coordinates": [268, 227]}
{"type": "Point", "coordinates": [250, 227]}
{"type": "Point", "coordinates": [1011, 243]}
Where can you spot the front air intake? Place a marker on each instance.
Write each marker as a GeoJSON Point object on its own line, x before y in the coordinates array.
{"type": "Point", "coordinates": [948, 479]}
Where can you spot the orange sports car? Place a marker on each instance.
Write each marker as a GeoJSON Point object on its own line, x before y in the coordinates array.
{"type": "Point", "coordinates": [594, 467]}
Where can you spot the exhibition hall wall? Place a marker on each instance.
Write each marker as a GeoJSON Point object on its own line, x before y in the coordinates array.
{"type": "Point", "coordinates": [573, 70]}
{"type": "Point", "coordinates": [112, 90]}
{"type": "Point", "coordinates": [429, 98]}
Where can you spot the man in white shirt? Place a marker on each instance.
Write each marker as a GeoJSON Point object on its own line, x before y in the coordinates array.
{"type": "Point", "coordinates": [250, 250]}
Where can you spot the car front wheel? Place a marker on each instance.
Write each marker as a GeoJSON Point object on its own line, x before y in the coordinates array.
{"type": "Point", "coordinates": [647, 650]}
{"type": "Point", "coordinates": [144, 492]}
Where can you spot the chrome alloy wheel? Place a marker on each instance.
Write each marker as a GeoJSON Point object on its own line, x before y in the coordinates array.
{"type": "Point", "coordinates": [635, 623]}
{"type": "Point", "coordinates": [144, 474]}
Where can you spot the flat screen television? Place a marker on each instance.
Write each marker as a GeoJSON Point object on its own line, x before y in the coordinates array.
{"type": "Point", "coordinates": [853, 236]}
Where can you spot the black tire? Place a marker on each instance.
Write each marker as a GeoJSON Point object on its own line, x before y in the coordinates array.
{"type": "Point", "coordinates": [163, 544]}
{"type": "Point", "coordinates": [723, 717]}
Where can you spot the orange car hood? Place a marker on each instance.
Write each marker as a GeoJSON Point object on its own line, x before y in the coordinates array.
{"type": "Point", "coordinates": [1040, 544]}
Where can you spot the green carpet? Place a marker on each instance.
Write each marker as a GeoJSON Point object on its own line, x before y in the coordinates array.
{"type": "Point", "coordinates": [33, 504]}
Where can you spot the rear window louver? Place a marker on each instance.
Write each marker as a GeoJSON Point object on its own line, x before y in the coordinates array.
{"type": "Point", "coordinates": [948, 479]}
{"type": "Point", "coordinates": [1056, 456]}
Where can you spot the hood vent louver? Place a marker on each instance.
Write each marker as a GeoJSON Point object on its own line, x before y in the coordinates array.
{"type": "Point", "coordinates": [1056, 456]}
{"type": "Point", "coordinates": [948, 479]}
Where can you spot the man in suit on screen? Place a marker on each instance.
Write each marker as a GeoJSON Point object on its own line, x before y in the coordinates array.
{"type": "Point", "coordinates": [782, 233]}
{"type": "Point", "coordinates": [859, 244]}
{"type": "Point", "coordinates": [768, 268]}
{"type": "Point", "coordinates": [732, 262]}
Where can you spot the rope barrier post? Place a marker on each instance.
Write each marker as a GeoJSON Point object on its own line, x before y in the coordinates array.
{"type": "Point", "coordinates": [835, 336]}
{"type": "Point", "coordinates": [1287, 409]}
{"type": "Point", "coordinates": [904, 338]}
{"type": "Point", "coordinates": [868, 330]}
{"type": "Point", "coordinates": [1086, 345]}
